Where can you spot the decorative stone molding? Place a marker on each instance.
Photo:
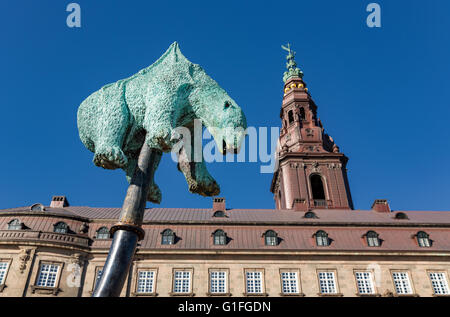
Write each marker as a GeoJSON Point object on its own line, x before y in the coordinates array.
{"type": "Point", "coordinates": [78, 259]}
{"type": "Point", "coordinates": [333, 166]}
{"type": "Point", "coordinates": [24, 257]}
{"type": "Point", "coordinates": [315, 168]}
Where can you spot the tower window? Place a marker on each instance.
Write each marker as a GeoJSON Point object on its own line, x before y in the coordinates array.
{"type": "Point", "coordinates": [322, 239]}
{"type": "Point", "coordinates": [302, 114]}
{"type": "Point", "coordinates": [423, 239]}
{"type": "Point", "coordinates": [372, 239]}
{"type": "Point", "coordinates": [270, 237]}
{"type": "Point", "coordinates": [61, 227]}
{"type": "Point", "coordinates": [219, 237]}
{"type": "Point", "coordinates": [167, 237]}
{"type": "Point", "coordinates": [291, 117]}
{"type": "Point", "coordinates": [318, 191]}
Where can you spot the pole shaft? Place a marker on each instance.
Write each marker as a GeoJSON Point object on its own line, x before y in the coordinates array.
{"type": "Point", "coordinates": [127, 232]}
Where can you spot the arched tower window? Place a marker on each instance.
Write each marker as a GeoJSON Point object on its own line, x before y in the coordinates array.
{"type": "Point", "coordinates": [15, 224]}
{"type": "Point", "coordinates": [219, 237]}
{"type": "Point", "coordinates": [290, 116]}
{"type": "Point", "coordinates": [270, 237]}
{"type": "Point", "coordinates": [61, 227]}
{"type": "Point", "coordinates": [302, 114]}
{"type": "Point", "coordinates": [322, 239]}
{"type": "Point", "coordinates": [103, 233]}
{"type": "Point", "coordinates": [317, 188]}
{"type": "Point", "coordinates": [423, 239]}
{"type": "Point", "coordinates": [372, 239]}
{"type": "Point", "coordinates": [167, 237]}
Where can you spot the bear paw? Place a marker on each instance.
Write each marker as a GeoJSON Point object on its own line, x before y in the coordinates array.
{"type": "Point", "coordinates": [207, 187]}
{"type": "Point", "coordinates": [154, 194]}
{"type": "Point", "coordinates": [110, 158]}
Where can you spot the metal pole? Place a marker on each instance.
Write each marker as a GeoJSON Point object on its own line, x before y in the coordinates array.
{"type": "Point", "coordinates": [127, 232]}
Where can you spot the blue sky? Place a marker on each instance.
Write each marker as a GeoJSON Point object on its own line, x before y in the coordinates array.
{"type": "Point", "coordinates": [382, 93]}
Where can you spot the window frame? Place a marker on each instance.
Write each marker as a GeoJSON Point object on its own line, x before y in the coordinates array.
{"type": "Point", "coordinates": [299, 284]}
{"type": "Point", "coordinates": [8, 262]}
{"type": "Point", "coordinates": [336, 282]}
{"type": "Point", "coordinates": [191, 282]}
{"type": "Point", "coordinates": [19, 224]}
{"type": "Point", "coordinates": [410, 280]}
{"type": "Point", "coordinates": [155, 279]}
{"type": "Point", "coordinates": [372, 280]}
{"type": "Point", "coordinates": [426, 236]}
{"type": "Point", "coordinates": [104, 233]}
{"type": "Point", "coordinates": [46, 289]}
{"type": "Point", "coordinates": [61, 222]}
{"type": "Point", "coordinates": [163, 235]}
{"type": "Point", "coordinates": [227, 282]}
{"type": "Point", "coordinates": [446, 279]}
{"type": "Point", "coordinates": [263, 282]}
{"type": "Point", "coordinates": [370, 238]}
{"type": "Point", "coordinates": [219, 234]}
{"type": "Point", "coordinates": [322, 237]}
{"type": "Point", "coordinates": [96, 270]}
{"type": "Point", "coordinates": [275, 237]}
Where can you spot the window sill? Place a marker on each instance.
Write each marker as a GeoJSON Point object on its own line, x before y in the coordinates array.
{"type": "Point", "coordinates": [406, 295]}
{"type": "Point", "coordinates": [134, 294]}
{"type": "Point", "coordinates": [182, 294]}
{"type": "Point", "coordinates": [330, 295]}
{"type": "Point", "coordinates": [441, 295]}
{"type": "Point", "coordinates": [44, 290]}
{"type": "Point", "coordinates": [368, 295]}
{"type": "Point", "coordinates": [255, 294]}
{"type": "Point", "coordinates": [218, 294]}
{"type": "Point", "coordinates": [292, 294]}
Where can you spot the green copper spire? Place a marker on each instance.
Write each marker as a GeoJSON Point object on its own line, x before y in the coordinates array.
{"type": "Point", "coordinates": [291, 65]}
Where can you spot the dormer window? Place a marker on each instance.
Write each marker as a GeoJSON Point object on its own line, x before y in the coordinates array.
{"type": "Point", "coordinates": [219, 237]}
{"type": "Point", "coordinates": [401, 216]}
{"type": "Point", "coordinates": [322, 239]}
{"type": "Point", "coordinates": [61, 227]}
{"type": "Point", "coordinates": [423, 239]}
{"type": "Point", "coordinates": [15, 224]}
{"type": "Point", "coordinates": [310, 215]}
{"type": "Point", "coordinates": [372, 239]}
{"type": "Point", "coordinates": [270, 238]}
{"type": "Point", "coordinates": [37, 207]}
{"type": "Point", "coordinates": [167, 237]}
{"type": "Point", "coordinates": [219, 214]}
{"type": "Point", "coordinates": [103, 233]}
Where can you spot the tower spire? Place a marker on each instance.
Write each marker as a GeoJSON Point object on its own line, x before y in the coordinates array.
{"type": "Point", "coordinates": [291, 64]}
{"type": "Point", "coordinates": [312, 171]}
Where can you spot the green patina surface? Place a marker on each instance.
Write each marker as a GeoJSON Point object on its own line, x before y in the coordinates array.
{"type": "Point", "coordinates": [291, 65]}
{"type": "Point", "coordinates": [114, 121]}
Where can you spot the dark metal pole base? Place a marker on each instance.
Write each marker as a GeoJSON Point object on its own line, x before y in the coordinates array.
{"type": "Point", "coordinates": [115, 271]}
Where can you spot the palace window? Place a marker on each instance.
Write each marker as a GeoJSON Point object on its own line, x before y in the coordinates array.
{"type": "Point", "coordinates": [372, 239]}
{"type": "Point", "coordinates": [61, 227]}
{"type": "Point", "coordinates": [3, 270]}
{"type": "Point", "coordinates": [146, 281]}
{"type": "Point", "coordinates": [270, 238]}
{"type": "Point", "coordinates": [47, 275]}
{"type": "Point", "coordinates": [219, 237]}
{"type": "Point", "coordinates": [402, 283]}
{"type": "Point", "coordinates": [182, 281]}
{"type": "Point", "coordinates": [218, 282]}
{"type": "Point", "coordinates": [439, 283]}
{"type": "Point", "coordinates": [289, 282]}
{"type": "Point", "coordinates": [317, 188]}
{"type": "Point", "coordinates": [15, 224]}
{"type": "Point", "coordinates": [254, 282]}
{"type": "Point", "coordinates": [401, 216]}
{"type": "Point", "coordinates": [423, 239]}
{"type": "Point", "coordinates": [103, 233]}
{"type": "Point", "coordinates": [364, 282]}
{"type": "Point", "coordinates": [322, 239]}
{"type": "Point", "coordinates": [310, 215]}
{"type": "Point", "coordinates": [167, 237]}
{"type": "Point", "coordinates": [327, 283]}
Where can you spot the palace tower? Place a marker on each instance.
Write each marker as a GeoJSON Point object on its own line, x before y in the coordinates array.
{"type": "Point", "coordinates": [311, 172]}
